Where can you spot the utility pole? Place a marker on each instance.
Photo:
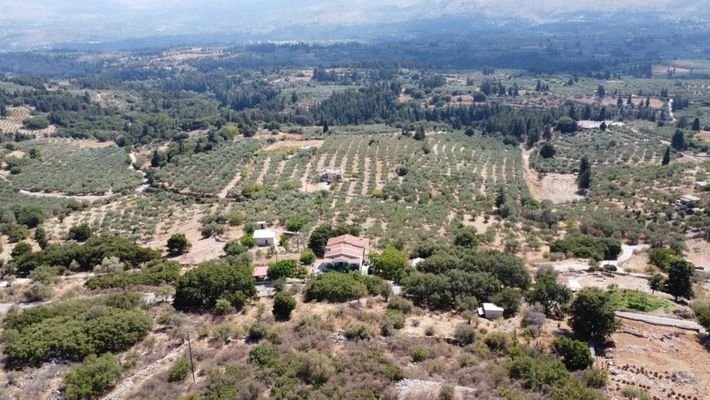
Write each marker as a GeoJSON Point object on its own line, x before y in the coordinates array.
{"type": "Point", "coordinates": [192, 363]}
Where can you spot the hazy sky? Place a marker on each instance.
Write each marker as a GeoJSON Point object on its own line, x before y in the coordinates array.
{"type": "Point", "coordinates": [64, 20]}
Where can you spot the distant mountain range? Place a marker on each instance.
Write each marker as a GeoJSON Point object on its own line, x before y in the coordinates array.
{"type": "Point", "coordinates": [35, 24]}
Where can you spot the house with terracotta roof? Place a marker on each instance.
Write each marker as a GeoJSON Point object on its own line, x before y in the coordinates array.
{"type": "Point", "coordinates": [346, 252]}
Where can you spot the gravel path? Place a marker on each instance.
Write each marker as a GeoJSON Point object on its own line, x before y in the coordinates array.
{"type": "Point", "coordinates": [662, 321]}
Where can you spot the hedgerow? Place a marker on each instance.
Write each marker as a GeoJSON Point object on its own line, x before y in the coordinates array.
{"type": "Point", "coordinates": [155, 273]}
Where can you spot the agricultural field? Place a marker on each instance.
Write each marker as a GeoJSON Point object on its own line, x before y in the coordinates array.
{"type": "Point", "coordinates": [13, 123]}
{"type": "Point", "coordinates": [210, 172]}
{"type": "Point", "coordinates": [11, 198]}
{"type": "Point", "coordinates": [391, 183]}
{"type": "Point", "coordinates": [139, 217]}
{"type": "Point", "coordinates": [73, 168]}
{"type": "Point", "coordinates": [618, 145]}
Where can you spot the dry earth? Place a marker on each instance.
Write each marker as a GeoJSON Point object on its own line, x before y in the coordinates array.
{"type": "Point", "coordinates": [669, 363]}
{"type": "Point", "coordinates": [558, 188]}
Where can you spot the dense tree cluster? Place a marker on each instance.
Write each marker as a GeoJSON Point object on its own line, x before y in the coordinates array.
{"type": "Point", "coordinates": [74, 329]}
{"type": "Point", "coordinates": [84, 257]}
{"type": "Point", "coordinates": [200, 288]}
{"type": "Point", "coordinates": [451, 276]}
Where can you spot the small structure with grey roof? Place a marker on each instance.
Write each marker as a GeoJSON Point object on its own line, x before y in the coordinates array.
{"type": "Point", "coordinates": [490, 311]}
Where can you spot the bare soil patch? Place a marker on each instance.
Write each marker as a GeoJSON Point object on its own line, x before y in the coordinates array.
{"type": "Point", "coordinates": [704, 136]}
{"type": "Point", "coordinates": [299, 144]}
{"type": "Point", "coordinates": [558, 188]}
{"type": "Point", "coordinates": [667, 362]}
{"type": "Point", "coordinates": [699, 253]}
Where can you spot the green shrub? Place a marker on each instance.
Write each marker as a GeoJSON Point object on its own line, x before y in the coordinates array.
{"type": "Point", "coordinates": [284, 303]}
{"type": "Point", "coordinates": [15, 232]}
{"type": "Point", "coordinates": [586, 246]}
{"type": "Point", "coordinates": [178, 244]}
{"type": "Point", "coordinates": [575, 354]}
{"type": "Point", "coordinates": [465, 334]}
{"type": "Point", "coordinates": [201, 287]}
{"type": "Point", "coordinates": [358, 331]}
{"type": "Point", "coordinates": [84, 257]}
{"type": "Point", "coordinates": [596, 378]}
{"type": "Point", "coordinates": [21, 249]}
{"type": "Point", "coordinates": [36, 123]}
{"type": "Point", "coordinates": [308, 257]}
{"type": "Point", "coordinates": [537, 370]}
{"type": "Point", "coordinates": [92, 378]}
{"type": "Point", "coordinates": [234, 248]}
{"type": "Point", "coordinates": [247, 241]}
{"type": "Point", "coordinates": [335, 287]}
{"type": "Point", "coordinates": [179, 370]}
{"type": "Point", "coordinates": [316, 368]}
{"type": "Point", "coordinates": [395, 318]}
{"type": "Point", "coordinates": [702, 313]}
{"type": "Point", "coordinates": [156, 273]}
{"type": "Point", "coordinates": [661, 257]}
{"type": "Point", "coordinates": [281, 269]}
{"type": "Point", "coordinates": [419, 354]}
{"type": "Point", "coordinates": [634, 393]}
{"type": "Point", "coordinates": [401, 304]}
{"type": "Point", "coordinates": [498, 342]}
{"type": "Point", "coordinates": [447, 391]}
{"type": "Point", "coordinates": [257, 331]}
{"type": "Point", "coordinates": [74, 330]}
{"type": "Point", "coordinates": [80, 233]}
{"type": "Point", "coordinates": [222, 306]}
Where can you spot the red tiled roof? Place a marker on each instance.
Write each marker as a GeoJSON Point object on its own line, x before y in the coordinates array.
{"type": "Point", "coordinates": [344, 249]}
{"type": "Point", "coordinates": [348, 239]}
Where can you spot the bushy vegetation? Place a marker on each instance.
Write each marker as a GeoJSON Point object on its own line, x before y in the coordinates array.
{"type": "Point", "coordinates": [341, 287]}
{"type": "Point", "coordinates": [92, 377]}
{"type": "Point", "coordinates": [592, 315]}
{"type": "Point", "coordinates": [200, 288]}
{"type": "Point", "coordinates": [450, 276]}
{"type": "Point", "coordinates": [73, 330]}
{"type": "Point", "coordinates": [155, 273]}
{"type": "Point", "coordinates": [84, 257]}
{"type": "Point", "coordinates": [586, 246]}
{"type": "Point", "coordinates": [284, 304]}
{"type": "Point", "coordinates": [574, 353]}
{"type": "Point", "coordinates": [179, 370]}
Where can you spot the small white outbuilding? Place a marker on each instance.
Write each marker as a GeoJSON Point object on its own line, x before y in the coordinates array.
{"type": "Point", "coordinates": [265, 237]}
{"type": "Point", "coordinates": [490, 311]}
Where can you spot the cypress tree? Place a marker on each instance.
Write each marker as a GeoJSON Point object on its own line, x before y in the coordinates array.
{"type": "Point", "coordinates": [696, 125]}
{"type": "Point", "coordinates": [666, 156]}
{"type": "Point", "coordinates": [584, 180]}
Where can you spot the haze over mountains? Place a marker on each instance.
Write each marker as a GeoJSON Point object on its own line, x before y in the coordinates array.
{"type": "Point", "coordinates": [55, 23]}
